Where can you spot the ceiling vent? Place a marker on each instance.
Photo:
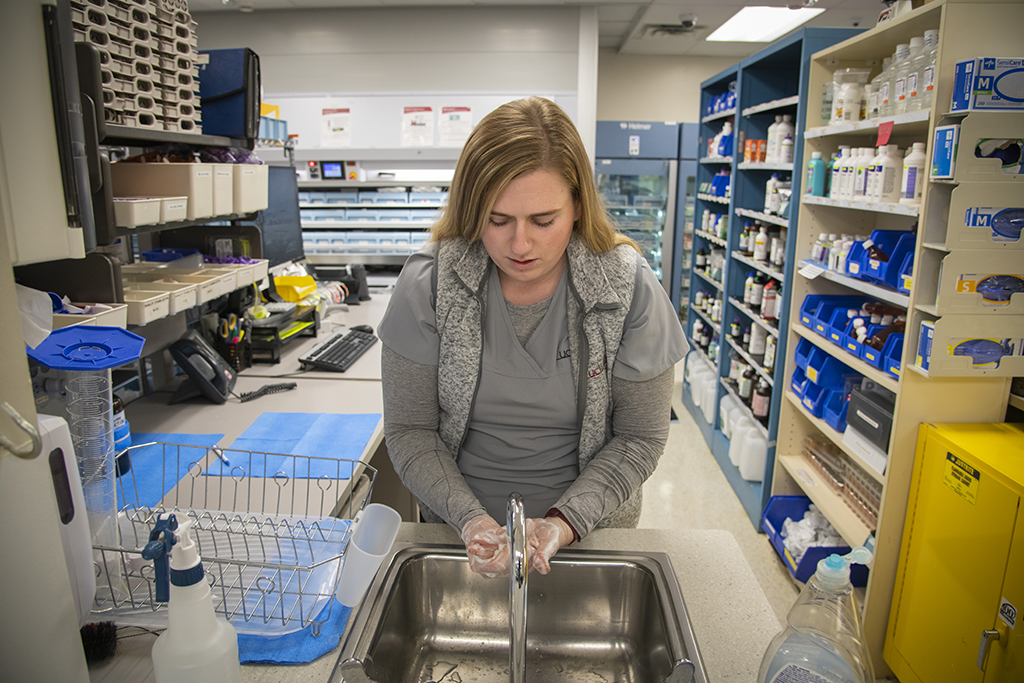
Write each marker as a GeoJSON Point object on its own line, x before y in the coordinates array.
{"type": "Point", "coordinates": [687, 24]}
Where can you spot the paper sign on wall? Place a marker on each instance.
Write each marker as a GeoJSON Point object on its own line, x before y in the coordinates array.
{"type": "Point", "coordinates": [456, 125]}
{"type": "Point", "coordinates": [335, 128]}
{"type": "Point", "coordinates": [418, 127]}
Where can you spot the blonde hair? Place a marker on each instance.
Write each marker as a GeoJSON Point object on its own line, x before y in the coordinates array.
{"type": "Point", "coordinates": [521, 137]}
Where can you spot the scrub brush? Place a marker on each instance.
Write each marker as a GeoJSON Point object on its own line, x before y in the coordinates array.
{"type": "Point", "coordinates": [99, 641]}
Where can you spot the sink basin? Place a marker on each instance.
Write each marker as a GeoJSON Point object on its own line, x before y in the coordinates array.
{"type": "Point", "coordinates": [598, 616]}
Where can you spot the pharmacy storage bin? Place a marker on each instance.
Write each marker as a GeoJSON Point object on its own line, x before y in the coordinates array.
{"type": "Point", "coordinates": [738, 106]}
{"type": "Point", "coordinates": [963, 546]}
{"type": "Point", "coordinates": [947, 230]}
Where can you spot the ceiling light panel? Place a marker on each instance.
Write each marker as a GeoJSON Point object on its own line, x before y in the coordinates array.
{"type": "Point", "coordinates": [762, 24]}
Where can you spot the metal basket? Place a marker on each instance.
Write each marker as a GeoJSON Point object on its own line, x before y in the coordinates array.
{"type": "Point", "coordinates": [272, 539]}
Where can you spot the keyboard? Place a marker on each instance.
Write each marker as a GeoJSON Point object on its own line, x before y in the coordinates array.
{"type": "Point", "coordinates": [338, 352]}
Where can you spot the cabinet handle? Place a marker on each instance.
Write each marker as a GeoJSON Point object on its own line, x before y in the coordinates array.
{"type": "Point", "coordinates": [986, 638]}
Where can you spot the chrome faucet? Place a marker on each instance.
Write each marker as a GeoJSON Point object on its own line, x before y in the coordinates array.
{"type": "Point", "coordinates": [515, 527]}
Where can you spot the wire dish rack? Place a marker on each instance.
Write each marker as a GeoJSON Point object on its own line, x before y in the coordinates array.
{"type": "Point", "coordinates": [271, 530]}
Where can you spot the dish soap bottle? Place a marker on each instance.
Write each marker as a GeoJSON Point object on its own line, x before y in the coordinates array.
{"type": "Point", "coordinates": [823, 641]}
{"type": "Point", "coordinates": [198, 646]}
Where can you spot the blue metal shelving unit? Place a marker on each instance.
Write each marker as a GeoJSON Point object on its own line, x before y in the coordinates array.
{"type": "Point", "coordinates": [772, 81]}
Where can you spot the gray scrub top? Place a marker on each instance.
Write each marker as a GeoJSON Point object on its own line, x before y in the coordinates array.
{"type": "Point", "coordinates": [523, 426]}
{"type": "Point", "coordinates": [522, 433]}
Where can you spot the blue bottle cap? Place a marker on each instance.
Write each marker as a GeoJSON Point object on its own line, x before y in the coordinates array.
{"type": "Point", "coordinates": [87, 347]}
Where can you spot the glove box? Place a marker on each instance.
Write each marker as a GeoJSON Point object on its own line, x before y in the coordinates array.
{"type": "Point", "coordinates": [870, 412]}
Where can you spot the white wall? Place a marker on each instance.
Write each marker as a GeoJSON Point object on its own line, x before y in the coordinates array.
{"type": "Point", "coordinates": [376, 60]}
{"type": "Point", "coordinates": [652, 87]}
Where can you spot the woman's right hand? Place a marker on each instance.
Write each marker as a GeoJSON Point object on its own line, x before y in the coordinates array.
{"type": "Point", "coordinates": [486, 546]}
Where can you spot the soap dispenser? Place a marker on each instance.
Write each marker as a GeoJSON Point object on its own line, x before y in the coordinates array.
{"type": "Point", "coordinates": [198, 646]}
{"type": "Point", "coordinates": [823, 641]}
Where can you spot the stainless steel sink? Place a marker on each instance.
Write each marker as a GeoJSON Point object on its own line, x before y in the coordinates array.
{"type": "Point", "coordinates": [598, 616]}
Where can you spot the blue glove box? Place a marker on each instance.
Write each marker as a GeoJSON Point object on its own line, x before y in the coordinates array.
{"type": "Point", "coordinates": [795, 507]}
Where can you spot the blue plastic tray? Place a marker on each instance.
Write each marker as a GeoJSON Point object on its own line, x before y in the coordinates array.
{"type": "Point", "coordinates": [795, 507]}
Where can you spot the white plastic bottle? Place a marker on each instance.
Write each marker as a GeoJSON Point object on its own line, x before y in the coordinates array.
{"type": "Point", "coordinates": [770, 143]}
{"type": "Point", "coordinates": [915, 80]}
{"type": "Point", "coordinates": [914, 176]}
{"type": "Point", "coordinates": [823, 641]}
{"type": "Point", "coordinates": [761, 244]}
{"type": "Point", "coordinates": [847, 168]}
{"type": "Point", "coordinates": [786, 150]}
{"type": "Point", "coordinates": [835, 176]}
{"type": "Point", "coordinates": [860, 174]}
{"type": "Point", "coordinates": [885, 98]}
{"type": "Point", "coordinates": [890, 176]}
{"type": "Point", "coordinates": [772, 200]}
{"type": "Point", "coordinates": [874, 168]}
{"type": "Point", "coordinates": [198, 646]}
{"type": "Point", "coordinates": [784, 128]}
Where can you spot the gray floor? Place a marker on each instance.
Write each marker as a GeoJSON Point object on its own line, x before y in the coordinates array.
{"type": "Point", "coordinates": [689, 491]}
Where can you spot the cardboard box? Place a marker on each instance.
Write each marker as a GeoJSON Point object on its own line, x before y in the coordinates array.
{"type": "Point", "coordinates": [988, 83]}
{"type": "Point", "coordinates": [944, 150]}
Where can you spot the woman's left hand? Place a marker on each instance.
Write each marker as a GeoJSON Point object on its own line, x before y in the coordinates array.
{"type": "Point", "coordinates": [544, 537]}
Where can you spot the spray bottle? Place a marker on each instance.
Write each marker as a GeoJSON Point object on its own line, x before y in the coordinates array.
{"type": "Point", "coordinates": [823, 641]}
{"type": "Point", "coordinates": [198, 646]}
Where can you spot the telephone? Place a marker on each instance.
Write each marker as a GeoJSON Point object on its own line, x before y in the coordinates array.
{"type": "Point", "coordinates": [209, 375]}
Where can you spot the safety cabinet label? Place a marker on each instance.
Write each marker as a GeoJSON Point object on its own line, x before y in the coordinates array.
{"type": "Point", "coordinates": [962, 478]}
{"type": "Point", "coordinates": [1008, 613]}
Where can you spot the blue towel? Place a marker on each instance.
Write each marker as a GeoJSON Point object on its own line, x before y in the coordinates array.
{"type": "Point", "coordinates": [157, 469]}
{"type": "Point", "coordinates": [298, 647]}
{"type": "Point", "coordinates": [329, 436]}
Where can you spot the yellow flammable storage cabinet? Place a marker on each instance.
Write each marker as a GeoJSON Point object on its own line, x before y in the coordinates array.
{"type": "Point", "coordinates": [960, 581]}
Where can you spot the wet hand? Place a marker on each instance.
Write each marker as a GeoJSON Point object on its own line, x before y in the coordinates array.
{"type": "Point", "coordinates": [544, 537]}
{"type": "Point", "coordinates": [486, 546]}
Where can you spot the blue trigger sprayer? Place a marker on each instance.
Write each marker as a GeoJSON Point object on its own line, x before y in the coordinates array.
{"type": "Point", "coordinates": [823, 641]}
{"type": "Point", "coordinates": [198, 646]}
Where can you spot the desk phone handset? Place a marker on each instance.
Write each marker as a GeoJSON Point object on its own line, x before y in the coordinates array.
{"type": "Point", "coordinates": [209, 375]}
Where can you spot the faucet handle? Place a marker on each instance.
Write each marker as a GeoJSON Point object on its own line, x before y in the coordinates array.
{"type": "Point", "coordinates": [682, 672]}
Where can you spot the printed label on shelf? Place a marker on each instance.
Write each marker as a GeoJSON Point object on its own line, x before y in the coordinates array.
{"type": "Point", "coordinates": [811, 271]}
{"type": "Point", "coordinates": [961, 478]}
{"type": "Point", "coordinates": [808, 480]}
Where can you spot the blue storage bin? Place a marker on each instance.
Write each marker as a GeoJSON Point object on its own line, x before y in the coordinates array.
{"type": "Point", "coordinates": [888, 272]}
{"type": "Point", "coordinates": [330, 215]}
{"type": "Point", "coordinates": [424, 214]}
{"type": "Point", "coordinates": [850, 342]}
{"type": "Point", "coordinates": [808, 307]}
{"type": "Point", "coordinates": [389, 197]}
{"type": "Point", "coordinates": [363, 242]}
{"type": "Point", "coordinates": [307, 215]}
{"type": "Point", "coordinates": [313, 198]}
{"type": "Point", "coordinates": [393, 241]}
{"type": "Point", "coordinates": [428, 197]}
{"type": "Point", "coordinates": [393, 215]}
{"type": "Point", "coordinates": [362, 214]}
{"type": "Point", "coordinates": [803, 353]}
{"type": "Point", "coordinates": [855, 260]}
{"type": "Point", "coordinates": [367, 197]}
{"type": "Point", "coordinates": [892, 354]}
{"type": "Point", "coordinates": [304, 197]}
{"type": "Point", "coordinates": [824, 370]}
{"type": "Point", "coordinates": [823, 314]}
{"type": "Point", "coordinates": [835, 410]}
{"type": "Point", "coordinates": [166, 255]}
{"type": "Point", "coordinates": [341, 197]}
{"type": "Point", "coordinates": [838, 323]}
{"type": "Point", "coordinates": [872, 356]}
{"type": "Point", "coordinates": [814, 398]}
{"type": "Point", "coordinates": [906, 273]}
{"type": "Point", "coordinates": [798, 382]}
{"type": "Point", "coordinates": [795, 507]}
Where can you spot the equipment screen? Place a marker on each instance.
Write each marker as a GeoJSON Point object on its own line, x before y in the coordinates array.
{"type": "Point", "coordinates": [332, 170]}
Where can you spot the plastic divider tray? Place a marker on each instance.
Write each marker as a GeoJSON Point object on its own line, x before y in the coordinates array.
{"type": "Point", "coordinates": [794, 507]}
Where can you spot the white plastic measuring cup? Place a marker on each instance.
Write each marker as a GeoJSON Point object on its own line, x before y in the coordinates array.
{"type": "Point", "coordinates": [374, 532]}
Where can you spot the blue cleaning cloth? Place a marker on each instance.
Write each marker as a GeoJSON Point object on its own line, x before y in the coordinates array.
{"type": "Point", "coordinates": [320, 435]}
{"type": "Point", "coordinates": [298, 647]}
{"type": "Point", "coordinates": [157, 469]}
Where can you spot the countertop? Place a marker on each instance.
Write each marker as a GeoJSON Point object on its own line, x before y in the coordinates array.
{"type": "Point", "coordinates": [731, 618]}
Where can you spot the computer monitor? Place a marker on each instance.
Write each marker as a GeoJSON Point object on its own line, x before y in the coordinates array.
{"type": "Point", "coordinates": [279, 223]}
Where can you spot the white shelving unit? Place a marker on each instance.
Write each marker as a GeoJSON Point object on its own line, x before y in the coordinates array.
{"type": "Point", "coordinates": [763, 217]}
{"type": "Point", "coordinates": [966, 29]}
{"type": "Point", "coordinates": [720, 115]}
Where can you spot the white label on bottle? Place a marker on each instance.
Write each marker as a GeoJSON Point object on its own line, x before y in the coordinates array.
{"type": "Point", "coordinates": [912, 84]}
{"type": "Point", "coordinates": [885, 93]}
{"type": "Point", "coordinates": [119, 420]}
{"type": "Point", "coordinates": [759, 405]}
{"type": "Point", "coordinates": [929, 78]}
{"type": "Point", "coordinates": [901, 89]}
{"type": "Point", "coordinates": [794, 673]}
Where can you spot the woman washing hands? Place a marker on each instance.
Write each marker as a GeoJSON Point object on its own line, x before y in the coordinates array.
{"type": "Point", "coordinates": [527, 347]}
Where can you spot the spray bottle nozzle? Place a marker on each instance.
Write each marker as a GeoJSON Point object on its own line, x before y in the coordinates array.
{"type": "Point", "coordinates": [161, 539]}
